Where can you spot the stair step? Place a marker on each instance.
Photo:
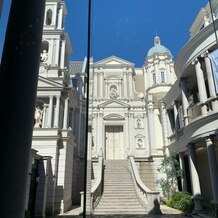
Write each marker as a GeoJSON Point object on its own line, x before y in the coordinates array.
{"type": "Point", "coordinates": [119, 195]}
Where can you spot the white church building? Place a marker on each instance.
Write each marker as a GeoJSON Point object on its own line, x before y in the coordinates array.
{"type": "Point", "coordinates": [132, 122]}
{"type": "Point", "coordinates": [127, 105]}
{"type": "Point", "coordinates": [127, 122]}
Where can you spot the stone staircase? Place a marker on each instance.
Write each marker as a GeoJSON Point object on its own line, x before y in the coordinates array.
{"type": "Point", "coordinates": [119, 196]}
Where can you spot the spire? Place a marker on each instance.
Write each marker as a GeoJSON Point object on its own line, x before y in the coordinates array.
{"type": "Point", "coordinates": [156, 40]}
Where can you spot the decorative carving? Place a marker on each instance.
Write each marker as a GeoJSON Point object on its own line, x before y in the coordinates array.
{"type": "Point", "coordinates": [139, 123]}
{"type": "Point", "coordinates": [38, 117]}
{"type": "Point", "coordinates": [140, 143]}
{"type": "Point", "coordinates": [113, 91]}
{"type": "Point", "coordinates": [44, 56]}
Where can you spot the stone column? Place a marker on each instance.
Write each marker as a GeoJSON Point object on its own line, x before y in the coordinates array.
{"type": "Point", "coordinates": [62, 58]}
{"type": "Point", "coordinates": [44, 112]}
{"type": "Point", "coordinates": [151, 124]}
{"type": "Point", "coordinates": [210, 79]}
{"type": "Point", "coordinates": [124, 84]}
{"type": "Point", "coordinates": [195, 183]}
{"type": "Point", "coordinates": [101, 131]}
{"type": "Point", "coordinates": [184, 101]}
{"type": "Point", "coordinates": [156, 69]}
{"type": "Point", "coordinates": [50, 111]}
{"type": "Point", "coordinates": [66, 109]}
{"type": "Point", "coordinates": [101, 83]}
{"type": "Point", "coordinates": [176, 118]}
{"type": "Point", "coordinates": [60, 18]}
{"type": "Point", "coordinates": [164, 124]}
{"type": "Point", "coordinates": [51, 52]}
{"type": "Point", "coordinates": [213, 168]}
{"type": "Point", "coordinates": [131, 137]}
{"type": "Point", "coordinates": [95, 85]}
{"type": "Point", "coordinates": [95, 133]}
{"type": "Point", "coordinates": [57, 111]}
{"type": "Point", "coordinates": [183, 177]}
{"type": "Point", "coordinates": [169, 78]}
{"type": "Point", "coordinates": [106, 89]}
{"type": "Point", "coordinates": [126, 130]}
{"type": "Point", "coordinates": [57, 51]}
{"type": "Point", "coordinates": [201, 85]}
{"type": "Point", "coordinates": [130, 83]}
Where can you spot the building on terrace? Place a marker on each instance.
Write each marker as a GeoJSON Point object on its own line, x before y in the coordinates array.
{"type": "Point", "coordinates": [127, 115]}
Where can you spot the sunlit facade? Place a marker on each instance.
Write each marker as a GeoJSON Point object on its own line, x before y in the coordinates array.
{"type": "Point", "coordinates": [127, 121]}
{"type": "Point", "coordinates": [53, 142]}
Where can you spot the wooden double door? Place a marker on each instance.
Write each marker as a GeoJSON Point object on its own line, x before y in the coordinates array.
{"type": "Point", "coordinates": [114, 147]}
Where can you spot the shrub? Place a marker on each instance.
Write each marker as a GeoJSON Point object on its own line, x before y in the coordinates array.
{"type": "Point", "coordinates": [170, 168]}
{"type": "Point", "coordinates": [181, 201]}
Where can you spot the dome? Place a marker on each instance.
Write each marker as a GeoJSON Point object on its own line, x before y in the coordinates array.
{"type": "Point", "coordinates": [158, 48]}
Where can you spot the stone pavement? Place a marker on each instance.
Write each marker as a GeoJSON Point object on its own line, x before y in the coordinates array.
{"type": "Point", "coordinates": [167, 212]}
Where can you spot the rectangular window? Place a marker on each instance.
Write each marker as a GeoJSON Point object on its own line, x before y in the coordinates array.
{"type": "Point", "coordinates": [74, 82]}
{"type": "Point", "coordinates": [162, 77]}
{"type": "Point", "coordinates": [154, 78]}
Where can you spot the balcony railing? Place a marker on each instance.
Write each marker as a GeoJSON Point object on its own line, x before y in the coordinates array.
{"type": "Point", "coordinates": [193, 111]}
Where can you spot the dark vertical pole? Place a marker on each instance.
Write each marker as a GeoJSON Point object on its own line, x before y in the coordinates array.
{"type": "Point", "coordinates": [18, 87]}
{"type": "Point", "coordinates": [87, 105]}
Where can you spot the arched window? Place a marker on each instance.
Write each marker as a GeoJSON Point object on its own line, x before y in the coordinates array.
{"type": "Point", "coordinates": [45, 46]}
{"type": "Point", "coordinates": [48, 17]}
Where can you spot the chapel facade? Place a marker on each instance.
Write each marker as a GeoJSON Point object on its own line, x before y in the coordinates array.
{"type": "Point", "coordinates": [127, 105]}
{"type": "Point", "coordinates": [49, 189]}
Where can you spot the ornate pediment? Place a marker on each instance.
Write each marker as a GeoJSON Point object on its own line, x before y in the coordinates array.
{"type": "Point", "coordinates": [113, 61]}
{"type": "Point", "coordinates": [113, 104]}
{"type": "Point", "coordinates": [47, 83]}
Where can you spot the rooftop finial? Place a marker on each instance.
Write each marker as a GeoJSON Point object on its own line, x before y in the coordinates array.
{"type": "Point", "coordinates": [156, 40]}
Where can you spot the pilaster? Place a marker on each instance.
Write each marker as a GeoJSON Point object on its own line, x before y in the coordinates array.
{"type": "Point", "coordinates": [57, 111]}
{"type": "Point", "coordinates": [151, 122]}
{"type": "Point", "coordinates": [50, 112]}
{"type": "Point", "coordinates": [66, 109]}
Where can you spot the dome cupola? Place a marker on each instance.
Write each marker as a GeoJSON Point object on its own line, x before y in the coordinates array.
{"type": "Point", "coordinates": [158, 49]}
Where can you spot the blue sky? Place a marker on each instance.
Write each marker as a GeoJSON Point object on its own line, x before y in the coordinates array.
{"type": "Point", "coordinates": [125, 28]}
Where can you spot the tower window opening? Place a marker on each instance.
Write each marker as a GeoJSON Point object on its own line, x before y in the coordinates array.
{"type": "Point", "coordinates": [49, 17]}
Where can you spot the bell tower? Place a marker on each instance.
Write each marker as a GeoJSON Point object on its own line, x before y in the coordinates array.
{"type": "Point", "coordinates": [56, 47]}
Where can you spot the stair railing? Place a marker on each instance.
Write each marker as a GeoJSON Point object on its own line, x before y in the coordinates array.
{"type": "Point", "coordinates": [97, 188]}
{"type": "Point", "coordinates": [145, 195]}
